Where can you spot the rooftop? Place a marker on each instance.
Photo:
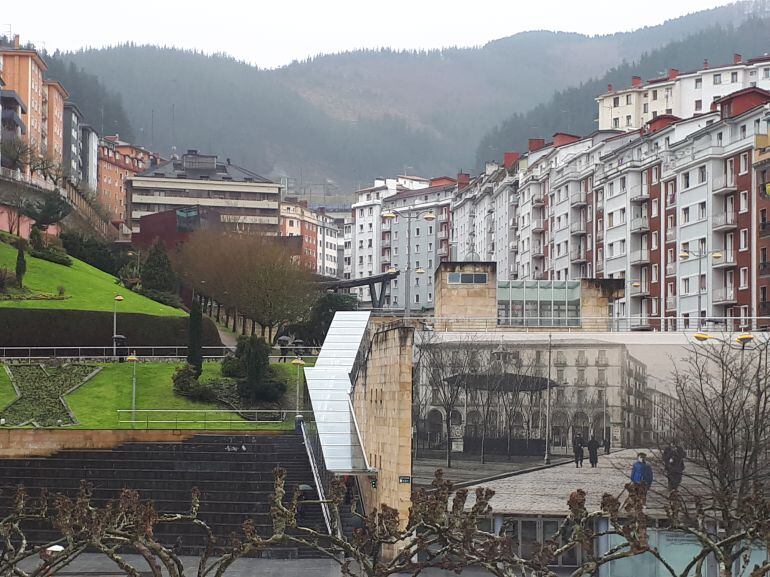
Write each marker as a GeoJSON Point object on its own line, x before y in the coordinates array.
{"type": "Point", "coordinates": [194, 166]}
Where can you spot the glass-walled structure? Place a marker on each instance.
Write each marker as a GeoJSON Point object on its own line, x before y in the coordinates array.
{"type": "Point", "coordinates": [538, 303]}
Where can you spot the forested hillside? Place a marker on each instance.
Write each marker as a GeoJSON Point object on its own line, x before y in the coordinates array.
{"type": "Point", "coordinates": [347, 118]}
{"type": "Point", "coordinates": [574, 109]}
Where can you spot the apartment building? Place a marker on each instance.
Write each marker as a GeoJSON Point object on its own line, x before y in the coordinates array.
{"type": "Point", "coordinates": [12, 109]}
{"type": "Point", "coordinates": [72, 158]}
{"type": "Point", "coordinates": [298, 220]}
{"type": "Point", "coordinates": [23, 71]}
{"type": "Point", "coordinates": [330, 251]}
{"type": "Point", "coordinates": [89, 163]}
{"type": "Point", "coordinates": [245, 200]}
{"type": "Point", "coordinates": [56, 96]}
{"type": "Point", "coordinates": [417, 237]}
{"type": "Point", "coordinates": [681, 94]}
{"type": "Point", "coordinates": [347, 251]}
{"type": "Point", "coordinates": [676, 209]}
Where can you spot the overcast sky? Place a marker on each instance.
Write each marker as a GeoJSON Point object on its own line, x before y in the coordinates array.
{"type": "Point", "coordinates": [271, 33]}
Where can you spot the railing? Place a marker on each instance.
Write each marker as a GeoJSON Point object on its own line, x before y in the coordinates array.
{"type": "Point", "coordinates": [537, 197]}
{"type": "Point", "coordinates": [538, 224]}
{"type": "Point", "coordinates": [723, 183]}
{"type": "Point", "coordinates": [640, 256]}
{"type": "Point", "coordinates": [724, 295]}
{"type": "Point", "coordinates": [639, 193]}
{"type": "Point", "coordinates": [577, 227]}
{"type": "Point", "coordinates": [728, 259]}
{"type": "Point", "coordinates": [321, 476]}
{"type": "Point", "coordinates": [764, 228]}
{"type": "Point", "coordinates": [578, 198]}
{"type": "Point", "coordinates": [640, 224]}
{"type": "Point", "coordinates": [670, 234]}
{"type": "Point", "coordinates": [229, 419]}
{"type": "Point", "coordinates": [577, 255]}
{"type": "Point", "coordinates": [726, 219]}
{"type": "Point", "coordinates": [642, 290]}
{"type": "Point", "coordinates": [671, 269]}
{"type": "Point", "coordinates": [143, 352]}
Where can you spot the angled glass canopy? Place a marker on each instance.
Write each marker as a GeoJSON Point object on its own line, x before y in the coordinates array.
{"type": "Point", "coordinates": [328, 384]}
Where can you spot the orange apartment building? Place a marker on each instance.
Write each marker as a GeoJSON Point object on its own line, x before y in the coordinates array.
{"type": "Point", "coordinates": [53, 141]}
{"type": "Point", "coordinates": [119, 160]}
{"type": "Point", "coordinates": [23, 72]}
{"type": "Point", "coordinates": [298, 220]}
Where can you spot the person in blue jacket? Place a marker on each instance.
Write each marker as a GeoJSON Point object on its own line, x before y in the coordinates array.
{"type": "Point", "coordinates": [641, 472]}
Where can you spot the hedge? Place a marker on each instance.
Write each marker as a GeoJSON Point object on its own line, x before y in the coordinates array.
{"type": "Point", "coordinates": [73, 328]}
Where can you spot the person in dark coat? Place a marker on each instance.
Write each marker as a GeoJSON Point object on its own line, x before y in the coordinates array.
{"type": "Point", "coordinates": [607, 446]}
{"type": "Point", "coordinates": [593, 451]}
{"type": "Point", "coordinates": [577, 448]}
{"type": "Point", "coordinates": [673, 461]}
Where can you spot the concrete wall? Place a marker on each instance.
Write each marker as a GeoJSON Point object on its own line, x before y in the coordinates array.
{"type": "Point", "coordinates": [466, 301]}
{"type": "Point", "coordinates": [382, 401]}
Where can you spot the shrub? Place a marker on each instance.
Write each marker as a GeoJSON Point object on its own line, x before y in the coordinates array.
{"type": "Point", "coordinates": [233, 367]}
{"type": "Point", "coordinates": [36, 239]}
{"type": "Point", "coordinates": [7, 279]}
{"type": "Point", "coordinates": [103, 255]}
{"type": "Point", "coordinates": [21, 264]}
{"type": "Point", "coordinates": [166, 298]}
{"type": "Point", "coordinates": [184, 379]}
{"type": "Point", "coordinates": [52, 254]}
{"type": "Point", "coordinates": [207, 392]}
{"type": "Point", "coordinates": [156, 273]}
{"type": "Point", "coordinates": [60, 290]}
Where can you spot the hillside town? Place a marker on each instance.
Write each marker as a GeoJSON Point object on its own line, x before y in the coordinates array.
{"type": "Point", "coordinates": [203, 372]}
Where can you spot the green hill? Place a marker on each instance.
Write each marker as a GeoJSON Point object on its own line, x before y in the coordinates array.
{"type": "Point", "coordinates": [85, 287]}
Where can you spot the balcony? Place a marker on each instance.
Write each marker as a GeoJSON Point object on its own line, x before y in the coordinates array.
{"type": "Point", "coordinates": [538, 225]}
{"type": "Point", "coordinates": [643, 290]}
{"type": "Point", "coordinates": [724, 221]}
{"type": "Point", "coordinates": [385, 224]}
{"type": "Point", "coordinates": [599, 234]}
{"type": "Point", "coordinates": [670, 200]}
{"type": "Point", "coordinates": [443, 233]}
{"type": "Point", "coordinates": [386, 257]}
{"type": "Point", "coordinates": [577, 227]}
{"type": "Point", "coordinates": [671, 234]}
{"type": "Point", "coordinates": [386, 243]}
{"type": "Point", "coordinates": [640, 323]}
{"type": "Point", "coordinates": [599, 204]}
{"type": "Point", "coordinates": [578, 199]}
{"type": "Point", "coordinates": [443, 251]}
{"type": "Point", "coordinates": [600, 266]}
{"type": "Point", "coordinates": [640, 224]}
{"type": "Point", "coordinates": [577, 256]}
{"type": "Point", "coordinates": [602, 361]}
{"type": "Point", "coordinates": [671, 269]}
{"type": "Point", "coordinates": [671, 303]}
{"type": "Point", "coordinates": [640, 256]}
{"type": "Point", "coordinates": [764, 228]}
{"type": "Point", "coordinates": [639, 193]}
{"type": "Point", "coordinates": [724, 296]}
{"type": "Point", "coordinates": [728, 260]}
{"type": "Point", "coordinates": [723, 184]}
{"type": "Point", "coordinates": [537, 251]}
{"type": "Point", "coordinates": [538, 199]}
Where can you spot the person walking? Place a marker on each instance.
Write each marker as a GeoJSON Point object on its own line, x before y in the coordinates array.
{"type": "Point", "coordinates": [607, 445]}
{"type": "Point", "coordinates": [673, 462]}
{"type": "Point", "coordinates": [593, 451]}
{"type": "Point", "coordinates": [641, 476]}
{"type": "Point", "coordinates": [577, 449]}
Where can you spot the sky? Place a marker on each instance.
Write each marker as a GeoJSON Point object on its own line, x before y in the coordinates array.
{"type": "Point", "coordinates": [271, 33]}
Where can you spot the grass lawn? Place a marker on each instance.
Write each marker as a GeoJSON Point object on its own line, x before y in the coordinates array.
{"type": "Point", "coordinates": [87, 287]}
{"type": "Point", "coordinates": [7, 394]}
{"type": "Point", "coordinates": [95, 404]}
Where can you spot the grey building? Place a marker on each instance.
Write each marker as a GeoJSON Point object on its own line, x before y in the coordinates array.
{"type": "Point", "coordinates": [72, 157]}
{"type": "Point", "coordinates": [89, 139]}
{"type": "Point", "coordinates": [429, 241]}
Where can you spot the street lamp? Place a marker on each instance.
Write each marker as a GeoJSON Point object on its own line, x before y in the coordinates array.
{"type": "Point", "coordinates": [685, 254]}
{"type": "Point", "coordinates": [427, 215]}
{"type": "Point", "coordinates": [743, 339]}
{"type": "Point", "coordinates": [299, 363]}
{"type": "Point", "coordinates": [133, 359]}
{"type": "Point", "coordinates": [115, 301]}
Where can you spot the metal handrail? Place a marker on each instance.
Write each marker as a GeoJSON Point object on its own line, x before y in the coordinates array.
{"type": "Point", "coordinates": [171, 352]}
{"type": "Point", "coordinates": [310, 444]}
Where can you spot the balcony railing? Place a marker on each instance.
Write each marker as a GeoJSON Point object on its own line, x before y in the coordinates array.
{"type": "Point", "coordinates": [764, 308]}
{"type": "Point", "coordinates": [724, 221]}
{"type": "Point", "coordinates": [537, 250]}
{"type": "Point", "coordinates": [670, 234]}
{"type": "Point", "coordinates": [577, 227]}
{"type": "Point", "coordinates": [578, 198]}
{"type": "Point", "coordinates": [671, 303]}
{"type": "Point", "coordinates": [537, 224]}
{"type": "Point", "coordinates": [671, 269]}
{"type": "Point", "coordinates": [723, 184]}
{"type": "Point", "coordinates": [599, 204]}
{"type": "Point", "coordinates": [640, 224]}
{"type": "Point", "coordinates": [600, 233]}
{"type": "Point", "coordinates": [640, 256]}
{"type": "Point", "coordinates": [577, 255]}
{"type": "Point", "coordinates": [642, 290]}
{"type": "Point", "coordinates": [670, 200]}
{"type": "Point", "coordinates": [728, 259]}
{"type": "Point", "coordinates": [724, 295]}
{"type": "Point", "coordinates": [599, 266]}
{"type": "Point", "coordinates": [639, 193]}
{"type": "Point", "coordinates": [443, 233]}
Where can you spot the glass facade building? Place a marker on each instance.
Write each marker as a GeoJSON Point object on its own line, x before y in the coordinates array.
{"type": "Point", "coordinates": [538, 303]}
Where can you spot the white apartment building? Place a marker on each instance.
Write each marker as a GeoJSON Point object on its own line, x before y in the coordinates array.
{"type": "Point", "coordinates": [330, 242]}
{"type": "Point", "coordinates": [681, 94]}
{"type": "Point", "coordinates": [347, 248]}
{"type": "Point", "coordinates": [410, 239]}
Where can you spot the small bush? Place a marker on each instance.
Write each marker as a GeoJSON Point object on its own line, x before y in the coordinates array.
{"type": "Point", "coordinates": [166, 298]}
{"type": "Point", "coordinates": [268, 390]}
{"type": "Point", "coordinates": [7, 279]}
{"type": "Point", "coordinates": [36, 239]}
{"type": "Point", "coordinates": [61, 290]}
{"type": "Point", "coordinates": [52, 254]}
{"type": "Point", "coordinates": [184, 379]}
{"type": "Point", "coordinates": [233, 367]}
{"type": "Point", "coordinates": [207, 392]}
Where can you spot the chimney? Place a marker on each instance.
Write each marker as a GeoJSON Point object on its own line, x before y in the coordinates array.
{"type": "Point", "coordinates": [562, 138]}
{"type": "Point", "coordinates": [610, 88]}
{"type": "Point", "coordinates": [534, 144]}
{"type": "Point", "coordinates": [672, 73]}
{"type": "Point", "coordinates": [737, 58]}
{"type": "Point", "coordinates": [636, 81]}
{"type": "Point", "coordinates": [463, 179]}
{"type": "Point", "coordinates": [510, 158]}
{"type": "Point", "coordinates": [15, 40]}
{"type": "Point", "coordinates": [705, 63]}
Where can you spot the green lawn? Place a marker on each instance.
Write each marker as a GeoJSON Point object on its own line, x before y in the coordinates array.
{"type": "Point", "coordinates": [87, 287]}
{"type": "Point", "coordinates": [7, 394]}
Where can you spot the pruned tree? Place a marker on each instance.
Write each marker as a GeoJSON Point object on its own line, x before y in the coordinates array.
{"type": "Point", "coordinates": [156, 272]}
{"type": "Point", "coordinates": [195, 337]}
{"type": "Point", "coordinates": [53, 208]}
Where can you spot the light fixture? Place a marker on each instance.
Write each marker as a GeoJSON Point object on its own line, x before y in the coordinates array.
{"type": "Point", "coordinates": [430, 216]}
{"type": "Point", "coordinates": [298, 362]}
{"type": "Point", "coordinates": [392, 270]}
{"type": "Point", "coordinates": [118, 298]}
{"type": "Point", "coordinates": [636, 284]}
{"type": "Point", "coordinates": [419, 270]}
{"type": "Point", "coordinates": [132, 358]}
{"type": "Point", "coordinates": [716, 255]}
{"type": "Point", "coordinates": [744, 339]}
{"type": "Point", "coordinates": [389, 214]}
{"type": "Point", "coordinates": [684, 254]}
{"type": "Point", "coordinates": [702, 337]}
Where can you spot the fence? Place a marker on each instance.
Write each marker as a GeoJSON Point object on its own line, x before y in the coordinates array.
{"type": "Point", "coordinates": [217, 419]}
{"type": "Point", "coordinates": [321, 476]}
{"type": "Point", "coordinates": [159, 352]}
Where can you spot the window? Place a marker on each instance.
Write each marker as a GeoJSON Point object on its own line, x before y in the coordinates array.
{"type": "Point", "coordinates": [616, 101]}
{"type": "Point", "coordinates": [655, 174]}
{"type": "Point", "coordinates": [733, 77]}
{"type": "Point", "coordinates": [743, 131]}
{"type": "Point", "coordinates": [698, 82]}
{"type": "Point", "coordinates": [616, 123]}
{"type": "Point", "coordinates": [743, 203]}
{"type": "Point", "coordinates": [654, 240]}
{"type": "Point", "coordinates": [654, 94]}
{"type": "Point", "coordinates": [645, 108]}
{"type": "Point", "coordinates": [701, 174]}
{"type": "Point", "coordinates": [717, 78]}
{"type": "Point", "coordinates": [655, 207]}
{"type": "Point", "coordinates": [744, 163]}
{"type": "Point", "coordinates": [686, 286]}
{"type": "Point", "coordinates": [628, 120]}
{"type": "Point", "coordinates": [744, 239]}
{"type": "Point", "coordinates": [686, 215]}
{"type": "Point", "coordinates": [655, 273]}
{"type": "Point", "coordinates": [702, 210]}
{"type": "Point", "coordinates": [686, 180]}
{"type": "Point", "coordinates": [467, 278]}
{"type": "Point", "coordinates": [628, 99]}
{"type": "Point", "coordinates": [744, 278]}
{"type": "Point", "coordinates": [698, 105]}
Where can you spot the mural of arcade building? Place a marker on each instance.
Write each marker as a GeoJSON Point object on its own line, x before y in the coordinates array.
{"type": "Point", "coordinates": [596, 388]}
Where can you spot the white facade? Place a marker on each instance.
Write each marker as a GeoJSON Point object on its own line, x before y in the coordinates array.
{"type": "Point", "coordinates": [90, 140]}
{"type": "Point", "coordinates": [330, 241]}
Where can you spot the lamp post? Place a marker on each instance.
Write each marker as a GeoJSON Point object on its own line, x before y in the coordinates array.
{"type": "Point", "coordinates": [133, 359]}
{"type": "Point", "coordinates": [115, 301]}
{"type": "Point", "coordinates": [547, 457]}
{"type": "Point", "coordinates": [299, 363]}
{"type": "Point", "coordinates": [700, 255]}
{"type": "Point", "coordinates": [427, 215]}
